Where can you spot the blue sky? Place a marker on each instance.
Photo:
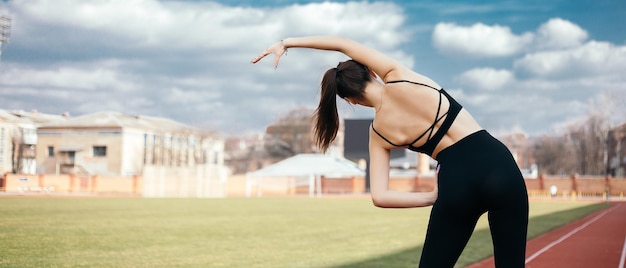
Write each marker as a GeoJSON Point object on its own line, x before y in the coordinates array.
{"type": "Point", "coordinates": [518, 66]}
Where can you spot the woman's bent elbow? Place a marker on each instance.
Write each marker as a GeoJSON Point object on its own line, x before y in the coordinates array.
{"type": "Point", "coordinates": [376, 200]}
{"type": "Point", "coordinates": [377, 203]}
{"type": "Point", "coordinates": [381, 201]}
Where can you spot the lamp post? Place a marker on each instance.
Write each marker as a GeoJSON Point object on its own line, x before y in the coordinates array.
{"type": "Point", "coordinates": [5, 30]}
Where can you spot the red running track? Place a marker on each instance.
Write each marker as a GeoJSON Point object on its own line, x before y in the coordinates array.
{"type": "Point", "coordinates": [596, 240]}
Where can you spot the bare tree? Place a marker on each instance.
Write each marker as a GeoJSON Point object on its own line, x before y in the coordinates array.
{"type": "Point", "coordinates": [291, 134]}
{"type": "Point", "coordinates": [584, 148]}
{"type": "Point", "coordinates": [590, 137]}
{"type": "Point", "coordinates": [554, 155]}
{"type": "Point", "coordinates": [610, 105]}
{"type": "Point", "coordinates": [589, 141]}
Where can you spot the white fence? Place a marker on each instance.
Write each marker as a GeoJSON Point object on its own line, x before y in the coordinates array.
{"type": "Point", "coordinates": [204, 181]}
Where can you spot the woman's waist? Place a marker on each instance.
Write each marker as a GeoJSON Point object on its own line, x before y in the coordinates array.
{"type": "Point", "coordinates": [477, 145]}
{"type": "Point", "coordinates": [452, 137]}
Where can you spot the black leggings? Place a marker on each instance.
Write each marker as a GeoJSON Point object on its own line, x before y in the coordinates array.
{"type": "Point", "coordinates": [477, 174]}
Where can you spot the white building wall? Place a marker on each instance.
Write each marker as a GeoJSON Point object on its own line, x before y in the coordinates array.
{"type": "Point", "coordinates": [133, 146]}
{"type": "Point", "coordinates": [202, 181]}
{"type": "Point", "coordinates": [6, 147]}
{"type": "Point", "coordinates": [213, 150]}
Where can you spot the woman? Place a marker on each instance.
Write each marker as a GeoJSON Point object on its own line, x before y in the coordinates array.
{"type": "Point", "coordinates": [477, 173]}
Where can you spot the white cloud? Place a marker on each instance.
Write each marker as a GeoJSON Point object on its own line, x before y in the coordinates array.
{"type": "Point", "coordinates": [486, 78]}
{"type": "Point", "coordinates": [68, 77]}
{"type": "Point", "coordinates": [558, 33]}
{"type": "Point", "coordinates": [179, 96]}
{"type": "Point", "coordinates": [210, 25]}
{"type": "Point", "coordinates": [148, 23]}
{"type": "Point", "coordinates": [476, 99]}
{"type": "Point", "coordinates": [478, 40]}
{"type": "Point", "coordinates": [591, 59]}
{"type": "Point", "coordinates": [557, 71]}
{"type": "Point", "coordinates": [353, 19]}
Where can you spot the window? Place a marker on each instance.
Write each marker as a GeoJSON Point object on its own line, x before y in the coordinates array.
{"type": "Point", "coordinates": [99, 151]}
{"type": "Point", "coordinates": [50, 151]}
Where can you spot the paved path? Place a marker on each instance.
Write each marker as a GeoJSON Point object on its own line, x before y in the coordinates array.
{"type": "Point", "coordinates": [596, 240]}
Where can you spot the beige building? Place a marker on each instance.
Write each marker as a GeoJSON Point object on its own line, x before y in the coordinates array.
{"type": "Point", "coordinates": [111, 143]}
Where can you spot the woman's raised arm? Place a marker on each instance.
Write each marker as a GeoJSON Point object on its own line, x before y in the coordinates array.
{"type": "Point", "coordinates": [373, 59]}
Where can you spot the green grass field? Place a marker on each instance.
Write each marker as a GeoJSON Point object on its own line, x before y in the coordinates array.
{"type": "Point", "coordinates": [232, 232]}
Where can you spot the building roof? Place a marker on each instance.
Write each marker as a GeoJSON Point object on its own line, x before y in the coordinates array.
{"type": "Point", "coordinates": [306, 165]}
{"type": "Point", "coordinates": [120, 120]}
{"type": "Point", "coordinates": [32, 117]}
{"type": "Point", "coordinates": [6, 116]}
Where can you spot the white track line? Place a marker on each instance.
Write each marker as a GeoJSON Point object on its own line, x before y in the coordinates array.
{"type": "Point", "coordinates": [623, 258]}
{"type": "Point", "coordinates": [556, 242]}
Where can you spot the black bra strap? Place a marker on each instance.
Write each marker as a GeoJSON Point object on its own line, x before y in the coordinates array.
{"type": "Point", "coordinates": [432, 127]}
{"type": "Point", "coordinates": [408, 81]}
{"type": "Point", "coordinates": [380, 135]}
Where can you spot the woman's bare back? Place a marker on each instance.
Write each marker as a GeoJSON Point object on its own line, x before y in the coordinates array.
{"type": "Point", "coordinates": [409, 108]}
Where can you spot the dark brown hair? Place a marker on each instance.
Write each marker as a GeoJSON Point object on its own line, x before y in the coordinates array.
{"type": "Point", "coordinates": [347, 80]}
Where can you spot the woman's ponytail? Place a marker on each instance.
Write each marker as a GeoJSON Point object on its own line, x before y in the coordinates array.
{"type": "Point", "coordinates": [326, 117]}
{"type": "Point", "coordinates": [348, 80]}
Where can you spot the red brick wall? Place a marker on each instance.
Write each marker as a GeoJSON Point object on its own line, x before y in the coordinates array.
{"type": "Point", "coordinates": [584, 184]}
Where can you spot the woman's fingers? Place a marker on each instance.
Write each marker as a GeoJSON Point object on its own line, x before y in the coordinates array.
{"type": "Point", "coordinates": [276, 60]}
{"type": "Point", "coordinates": [261, 56]}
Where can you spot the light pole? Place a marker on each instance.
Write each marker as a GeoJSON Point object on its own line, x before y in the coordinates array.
{"type": "Point", "coordinates": [5, 30]}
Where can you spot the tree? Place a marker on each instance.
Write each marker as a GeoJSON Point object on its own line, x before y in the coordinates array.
{"type": "Point", "coordinates": [587, 147]}
{"type": "Point", "coordinates": [554, 155]}
{"type": "Point", "coordinates": [584, 147]}
{"type": "Point", "coordinates": [291, 134]}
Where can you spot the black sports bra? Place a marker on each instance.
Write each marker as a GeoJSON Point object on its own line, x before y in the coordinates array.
{"type": "Point", "coordinates": [433, 139]}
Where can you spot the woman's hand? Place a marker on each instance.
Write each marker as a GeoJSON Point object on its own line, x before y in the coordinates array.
{"type": "Point", "coordinates": [278, 49]}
